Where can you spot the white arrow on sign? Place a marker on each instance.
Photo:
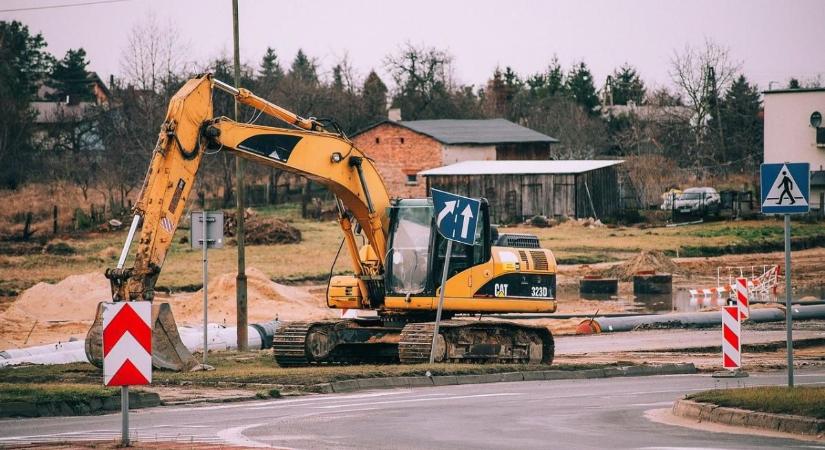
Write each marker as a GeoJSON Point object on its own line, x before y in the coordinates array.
{"type": "Point", "coordinates": [468, 214]}
{"type": "Point", "coordinates": [449, 207]}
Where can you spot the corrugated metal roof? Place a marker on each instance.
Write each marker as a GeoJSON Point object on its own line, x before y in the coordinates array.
{"type": "Point", "coordinates": [520, 167]}
{"type": "Point", "coordinates": [483, 131]}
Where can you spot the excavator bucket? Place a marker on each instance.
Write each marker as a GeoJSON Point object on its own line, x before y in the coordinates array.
{"type": "Point", "coordinates": [168, 351]}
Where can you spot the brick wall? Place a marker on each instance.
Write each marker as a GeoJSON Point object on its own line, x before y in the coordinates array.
{"type": "Point", "coordinates": [399, 152]}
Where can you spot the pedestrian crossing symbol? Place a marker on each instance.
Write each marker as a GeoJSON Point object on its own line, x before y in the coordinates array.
{"type": "Point", "coordinates": [785, 188]}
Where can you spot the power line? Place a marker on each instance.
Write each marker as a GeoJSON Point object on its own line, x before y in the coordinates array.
{"type": "Point", "coordinates": [69, 5]}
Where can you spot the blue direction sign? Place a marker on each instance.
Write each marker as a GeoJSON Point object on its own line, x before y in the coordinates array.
{"type": "Point", "coordinates": [786, 188]}
{"type": "Point", "coordinates": [456, 217]}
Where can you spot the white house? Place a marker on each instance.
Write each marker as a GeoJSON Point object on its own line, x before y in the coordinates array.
{"type": "Point", "coordinates": [795, 132]}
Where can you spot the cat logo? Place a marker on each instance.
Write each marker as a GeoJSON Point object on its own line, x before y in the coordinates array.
{"type": "Point", "coordinates": [501, 290]}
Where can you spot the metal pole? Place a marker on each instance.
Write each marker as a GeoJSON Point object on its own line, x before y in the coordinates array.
{"type": "Point", "coordinates": [125, 252]}
{"type": "Point", "coordinates": [788, 306]}
{"type": "Point", "coordinates": [124, 412]}
{"type": "Point", "coordinates": [441, 297]}
{"type": "Point", "coordinates": [205, 243]}
{"type": "Point", "coordinates": [240, 280]}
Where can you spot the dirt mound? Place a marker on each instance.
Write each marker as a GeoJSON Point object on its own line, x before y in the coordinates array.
{"type": "Point", "coordinates": [53, 312]}
{"type": "Point", "coordinates": [261, 231]}
{"type": "Point", "coordinates": [645, 261]}
{"type": "Point", "coordinates": [265, 300]}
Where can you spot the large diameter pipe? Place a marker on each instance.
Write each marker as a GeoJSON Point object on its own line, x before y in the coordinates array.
{"type": "Point", "coordinates": [809, 312]}
{"type": "Point", "coordinates": [685, 320]}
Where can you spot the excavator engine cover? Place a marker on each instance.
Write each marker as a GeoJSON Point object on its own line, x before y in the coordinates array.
{"type": "Point", "coordinates": [168, 351]}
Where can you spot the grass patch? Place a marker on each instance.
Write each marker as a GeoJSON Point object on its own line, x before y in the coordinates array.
{"type": "Point", "coordinates": [46, 393]}
{"type": "Point", "coordinates": [259, 367]}
{"type": "Point", "coordinates": [802, 401]}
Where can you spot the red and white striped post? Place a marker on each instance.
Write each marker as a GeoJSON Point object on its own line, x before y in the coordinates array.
{"type": "Point", "coordinates": [127, 351]}
{"type": "Point", "coordinates": [742, 298]}
{"type": "Point", "coordinates": [731, 338]}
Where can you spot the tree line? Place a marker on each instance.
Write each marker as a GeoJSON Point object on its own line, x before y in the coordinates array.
{"type": "Point", "coordinates": [710, 118]}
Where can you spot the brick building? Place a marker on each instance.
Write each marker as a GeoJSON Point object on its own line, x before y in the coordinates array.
{"type": "Point", "coordinates": [402, 149]}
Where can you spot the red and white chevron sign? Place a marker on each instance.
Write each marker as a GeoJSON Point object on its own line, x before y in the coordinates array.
{"type": "Point", "coordinates": [127, 343]}
{"type": "Point", "coordinates": [742, 297]}
{"type": "Point", "coordinates": [731, 342]}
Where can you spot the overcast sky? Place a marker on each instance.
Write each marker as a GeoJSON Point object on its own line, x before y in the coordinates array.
{"type": "Point", "coordinates": [774, 40]}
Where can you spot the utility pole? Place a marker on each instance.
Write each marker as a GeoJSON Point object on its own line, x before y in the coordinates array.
{"type": "Point", "coordinates": [240, 280]}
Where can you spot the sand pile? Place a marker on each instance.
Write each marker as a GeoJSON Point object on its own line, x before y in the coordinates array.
{"type": "Point", "coordinates": [645, 261]}
{"type": "Point", "coordinates": [261, 231]}
{"type": "Point", "coordinates": [266, 300]}
{"type": "Point", "coordinates": [54, 312]}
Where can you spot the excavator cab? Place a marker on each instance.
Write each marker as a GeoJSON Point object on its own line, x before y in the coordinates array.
{"type": "Point", "coordinates": [417, 251]}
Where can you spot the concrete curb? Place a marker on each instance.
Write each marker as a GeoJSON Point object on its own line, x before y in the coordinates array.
{"type": "Point", "coordinates": [537, 375]}
{"type": "Point", "coordinates": [137, 400]}
{"type": "Point", "coordinates": [785, 423]}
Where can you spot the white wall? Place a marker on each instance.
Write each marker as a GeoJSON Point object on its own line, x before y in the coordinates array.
{"type": "Point", "coordinates": [788, 133]}
{"type": "Point", "coordinates": [452, 154]}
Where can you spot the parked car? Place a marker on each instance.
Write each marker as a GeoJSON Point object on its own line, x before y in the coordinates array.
{"type": "Point", "coordinates": [698, 200]}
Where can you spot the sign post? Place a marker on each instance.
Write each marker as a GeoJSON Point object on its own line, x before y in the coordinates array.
{"type": "Point", "coordinates": [127, 351]}
{"type": "Point", "coordinates": [208, 234]}
{"type": "Point", "coordinates": [456, 220]}
{"type": "Point", "coordinates": [786, 190]}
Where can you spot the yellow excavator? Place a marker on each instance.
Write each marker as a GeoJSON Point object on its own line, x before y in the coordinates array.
{"type": "Point", "coordinates": [395, 271]}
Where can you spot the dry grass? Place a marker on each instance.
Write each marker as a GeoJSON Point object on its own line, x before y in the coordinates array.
{"type": "Point", "coordinates": [803, 401]}
{"type": "Point", "coordinates": [569, 240]}
{"type": "Point", "coordinates": [182, 269]}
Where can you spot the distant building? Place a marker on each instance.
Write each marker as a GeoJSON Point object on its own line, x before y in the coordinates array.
{"type": "Point", "coordinates": [402, 149]}
{"type": "Point", "coordinates": [65, 112]}
{"type": "Point", "coordinates": [518, 190]}
{"type": "Point", "coordinates": [792, 134]}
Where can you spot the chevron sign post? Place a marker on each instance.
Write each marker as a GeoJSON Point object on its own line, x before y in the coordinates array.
{"type": "Point", "coordinates": [127, 351]}
{"type": "Point", "coordinates": [127, 343]}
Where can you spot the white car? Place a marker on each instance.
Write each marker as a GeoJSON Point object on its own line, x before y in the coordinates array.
{"type": "Point", "coordinates": [698, 200]}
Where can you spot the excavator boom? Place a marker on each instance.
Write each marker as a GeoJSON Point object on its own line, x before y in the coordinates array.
{"type": "Point", "coordinates": [189, 127]}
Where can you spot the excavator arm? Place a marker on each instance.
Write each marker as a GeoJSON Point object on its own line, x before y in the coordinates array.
{"type": "Point", "coordinates": [190, 129]}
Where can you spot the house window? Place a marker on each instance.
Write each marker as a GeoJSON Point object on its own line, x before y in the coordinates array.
{"type": "Point", "coordinates": [402, 140]}
{"type": "Point", "coordinates": [377, 140]}
{"type": "Point", "coordinates": [412, 179]}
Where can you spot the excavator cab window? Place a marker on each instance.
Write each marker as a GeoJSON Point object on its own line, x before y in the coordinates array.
{"type": "Point", "coordinates": [408, 258]}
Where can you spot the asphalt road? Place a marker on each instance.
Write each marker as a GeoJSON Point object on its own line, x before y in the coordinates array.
{"type": "Point", "coordinates": [650, 340]}
{"type": "Point", "coordinates": [570, 414]}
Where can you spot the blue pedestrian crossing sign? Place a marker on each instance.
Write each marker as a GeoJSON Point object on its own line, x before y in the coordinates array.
{"type": "Point", "coordinates": [786, 188]}
{"type": "Point", "coordinates": [456, 217]}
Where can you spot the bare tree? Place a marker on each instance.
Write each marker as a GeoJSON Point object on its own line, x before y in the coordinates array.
{"type": "Point", "coordinates": [154, 54]}
{"type": "Point", "coordinates": [701, 73]}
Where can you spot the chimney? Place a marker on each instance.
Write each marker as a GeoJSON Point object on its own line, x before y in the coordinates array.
{"type": "Point", "coordinates": [394, 114]}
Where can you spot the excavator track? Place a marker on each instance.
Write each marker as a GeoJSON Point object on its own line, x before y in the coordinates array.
{"type": "Point", "coordinates": [477, 342]}
{"type": "Point", "coordinates": [334, 342]}
{"type": "Point", "coordinates": [416, 342]}
{"type": "Point", "coordinates": [289, 344]}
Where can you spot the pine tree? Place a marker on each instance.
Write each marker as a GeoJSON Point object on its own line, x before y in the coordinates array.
{"type": "Point", "coordinates": [627, 86]}
{"type": "Point", "coordinates": [337, 78]}
{"type": "Point", "coordinates": [25, 63]}
{"type": "Point", "coordinates": [580, 85]}
{"type": "Point", "coordinates": [739, 114]}
{"type": "Point", "coordinates": [374, 95]}
{"type": "Point", "coordinates": [270, 67]}
{"type": "Point", "coordinates": [70, 79]}
{"type": "Point", "coordinates": [303, 68]}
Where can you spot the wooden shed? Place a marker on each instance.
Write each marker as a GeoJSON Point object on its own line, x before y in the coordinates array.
{"type": "Point", "coordinates": [517, 190]}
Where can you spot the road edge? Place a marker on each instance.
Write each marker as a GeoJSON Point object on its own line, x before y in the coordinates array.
{"type": "Point", "coordinates": [783, 423]}
{"type": "Point", "coordinates": [537, 375]}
